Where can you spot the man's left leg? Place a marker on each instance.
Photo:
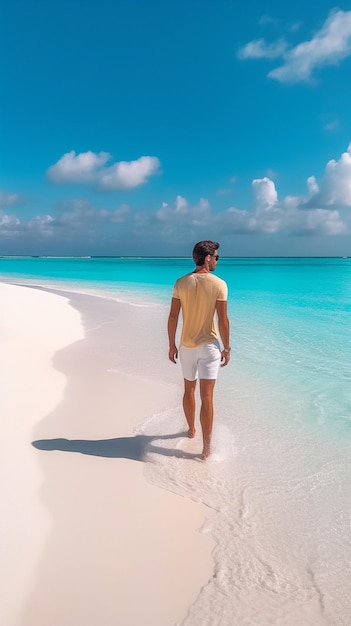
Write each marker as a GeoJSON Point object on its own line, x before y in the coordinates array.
{"type": "Point", "coordinates": [206, 414]}
{"type": "Point", "coordinates": [189, 405]}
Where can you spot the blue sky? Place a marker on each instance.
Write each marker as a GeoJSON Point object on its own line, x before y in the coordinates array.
{"type": "Point", "coordinates": [142, 126]}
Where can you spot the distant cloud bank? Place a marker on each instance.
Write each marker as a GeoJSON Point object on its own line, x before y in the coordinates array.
{"type": "Point", "coordinates": [92, 169]}
{"type": "Point", "coordinates": [330, 45]}
{"type": "Point", "coordinates": [269, 215]}
{"type": "Point", "coordinates": [318, 212]}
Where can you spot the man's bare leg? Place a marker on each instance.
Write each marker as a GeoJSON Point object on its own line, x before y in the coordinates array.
{"type": "Point", "coordinates": [206, 414]}
{"type": "Point", "coordinates": [189, 405]}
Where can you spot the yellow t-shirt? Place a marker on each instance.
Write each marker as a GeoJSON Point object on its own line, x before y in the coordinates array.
{"type": "Point", "coordinates": [198, 294]}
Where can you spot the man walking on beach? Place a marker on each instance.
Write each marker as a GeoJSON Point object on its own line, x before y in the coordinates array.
{"type": "Point", "coordinates": [200, 295]}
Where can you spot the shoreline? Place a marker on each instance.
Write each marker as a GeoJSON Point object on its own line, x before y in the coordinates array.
{"type": "Point", "coordinates": [111, 547]}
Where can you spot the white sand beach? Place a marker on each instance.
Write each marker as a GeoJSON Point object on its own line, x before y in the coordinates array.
{"type": "Point", "coordinates": [85, 538]}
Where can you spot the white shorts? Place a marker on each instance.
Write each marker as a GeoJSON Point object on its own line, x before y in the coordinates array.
{"type": "Point", "coordinates": [202, 362]}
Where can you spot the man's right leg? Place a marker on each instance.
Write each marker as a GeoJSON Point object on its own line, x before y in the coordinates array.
{"type": "Point", "coordinates": [206, 414]}
{"type": "Point", "coordinates": [189, 405]}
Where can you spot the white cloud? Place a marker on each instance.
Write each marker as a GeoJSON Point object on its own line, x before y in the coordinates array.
{"type": "Point", "coordinates": [265, 193]}
{"type": "Point", "coordinates": [128, 174]}
{"type": "Point", "coordinates": [326, 222]}
{"type": "Point", "coordinates": [181, 205]}
{"type": "Point", "coordinates": [335, 186]}
{"type": "Point", "coordinates": [259, 49]}
{"type": "Point", "coordinates": [330, 45]}
{"type": "Point", "coordinates": [235, 220]}
{"type": "Point", "coordinates": [91, 168]}
{"type": "Point", "coordinates": [181, 212]}
{"type": "Point", "coordinates": [312, 186]}
{"type": "Point", "coordinates": [267, 216]}
{"type": "Point", "coordinates": [337, 181]}
{"type": "Point", "coordinates": [78, 168]}
{"type": "Point", "coordinates": [42, 224]}
{"type": "Point", "coordinates": [9, 224]}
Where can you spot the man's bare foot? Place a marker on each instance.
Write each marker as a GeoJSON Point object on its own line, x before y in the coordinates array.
{"type": "Point", "coordinates": [206, 452]}
{"type": "Point", "coordinates": [191, 433]}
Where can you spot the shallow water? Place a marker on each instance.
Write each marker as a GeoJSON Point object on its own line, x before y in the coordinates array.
{"type": "Point", "coordinates": [279, 478]}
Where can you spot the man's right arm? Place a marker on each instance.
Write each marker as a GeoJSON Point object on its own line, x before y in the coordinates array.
{"type": "Point", "coordinates": [172, 328]}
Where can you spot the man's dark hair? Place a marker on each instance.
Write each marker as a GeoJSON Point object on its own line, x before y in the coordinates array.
{"type": "Point", "coordinates": [202, 249]}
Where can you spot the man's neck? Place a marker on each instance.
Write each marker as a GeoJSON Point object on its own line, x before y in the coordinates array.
{"type": "Point", "coordinates": [201, 269]}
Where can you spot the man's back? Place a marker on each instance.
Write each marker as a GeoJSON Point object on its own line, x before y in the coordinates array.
{"type": "Point", "coordinates": [198, 294]}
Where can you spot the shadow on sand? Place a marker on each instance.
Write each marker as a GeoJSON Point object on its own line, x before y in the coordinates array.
{"type": "Point", "coordinates": [134, 448]}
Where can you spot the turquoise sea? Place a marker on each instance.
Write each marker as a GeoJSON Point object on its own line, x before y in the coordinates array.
{"type": "Point", "coordinates": [279, 483]}
{"type": "Point", "coordinates": [290, 317]}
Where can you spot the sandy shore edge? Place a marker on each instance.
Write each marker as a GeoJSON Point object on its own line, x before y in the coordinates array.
{"type": "Point", "coordinates": [89, 540]}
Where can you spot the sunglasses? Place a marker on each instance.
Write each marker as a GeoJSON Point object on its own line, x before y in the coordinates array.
{"type": "Point", "coordinates": [216, 256]}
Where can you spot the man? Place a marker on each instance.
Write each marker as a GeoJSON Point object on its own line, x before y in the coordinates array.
{"type": "Point", "coordinates": [200, 295]}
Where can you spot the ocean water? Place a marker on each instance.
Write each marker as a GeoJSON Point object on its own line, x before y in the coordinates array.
{"type": "Point", "coordinates": [278, 483]}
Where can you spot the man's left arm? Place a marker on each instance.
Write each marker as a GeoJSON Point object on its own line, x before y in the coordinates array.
{"type": "Point", "coordinates": [224, 330]}
{"type": "Point", "coordinates": [172, 328]}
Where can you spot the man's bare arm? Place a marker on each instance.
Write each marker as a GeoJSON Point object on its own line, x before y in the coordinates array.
{"type": "Point", "coordinates": [224, 329]}
{"type": "Point", "coordinates": [172, 328]}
